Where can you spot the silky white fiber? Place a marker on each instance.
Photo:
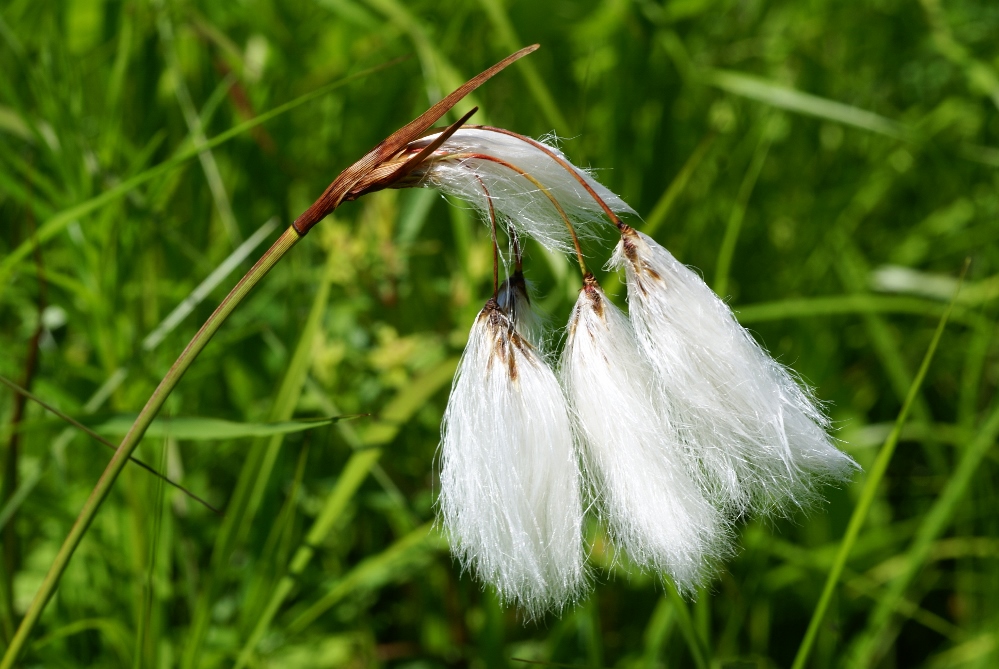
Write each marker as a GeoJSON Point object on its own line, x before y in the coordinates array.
{"type": "Point", "coordinates": [510, 483]}
{"type": "Point", "coordinates": [635, 458]}
{"type": "Point", "coordinates": [760, 439]}
{"type": "Point", "coordinates": [458, 168]}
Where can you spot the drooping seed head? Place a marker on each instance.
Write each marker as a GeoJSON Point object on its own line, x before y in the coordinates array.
{"type": "Point", "coordinates": [760, 438]}
{"type": "Point", "coordinates": [510, 498]}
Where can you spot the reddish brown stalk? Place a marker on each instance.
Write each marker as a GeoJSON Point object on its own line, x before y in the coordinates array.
{"type": "Point", "coordinates": [492, 230]}
{"type": "Point", "coordinates": [561, 161]}
{"type": "Point", "coordinates": [358, 178]}
{"type": "Point", "coordinates": [393, 172]}
{"type": "Point", "coordinates": [517, 257]}
{"type": "Point", "coordinates": [540, 187]}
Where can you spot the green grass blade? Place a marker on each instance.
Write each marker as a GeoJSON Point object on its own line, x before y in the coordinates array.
{"type": "Point", "coordinates": [194, 126]}
{"type": "Point", "coordinates": [695, 644]}
{"type": "Point", "coordinates": [112, 630]}
{"type": "Point", "coordinates": [439, 73]}
{"type": "Point", "coordinates": [158, 334]}
{"type": "Point", "coordinates": [132, 439]}
{"type": "Point", "coordinates": [727, 248]}
{"type": "Point", "coordinates": [662, 208]}
{"type": "Point", "coordinates": [276, 550]}
{"type": "Point", "coordinates": [391, 419]}
{"type": "Point", "coordinates": [11, 122]}
{"type": "Point", "coordinates": [790, 99]}
{"type": "Point", "coordinates": [981, 75]}
{"type": "Point", "coordinates": [841, 305]}
{"type": "Point", "coordinates": [14, 502]}
{"type": "Point", "coordinates": [854, 273]}
{"type": "Point", "coordinates": [507, 36]}
{"type": "Point", "coordinates": [232, 261]}
{"type": "Point", "coordinates": [657, 632]}
{"type": "Point", "coordinates": [59, 221]}
{"type": "Point", "coordinates": [932, 526]}
{"type": "Point", "coordinates": [372, 572]}
{"type": "Point", "coordinates": [256, 471]}
{"type": "Point", "coordinates": [859, 515]}
{"type": "Point", "coordinates": [212, 429]}
{"type": "Point", "coordinates": [145, 645]}
{"type": "Point", "coordinates": [351, 478]}
{"type": "Point", "coordinates": [407, 402]}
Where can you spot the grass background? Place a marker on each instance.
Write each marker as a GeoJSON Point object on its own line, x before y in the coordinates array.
{"type": "Point", "coordinates": [827, 166]}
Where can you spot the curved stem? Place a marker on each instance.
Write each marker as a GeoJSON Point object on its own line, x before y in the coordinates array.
{"type": "Point", "coordinates": [561, 161]}
{"type": "Point", "coordinates": [537, 184]}
{"type": "Point", "coordinates": [492, 230]}
{"type": "Point", "coordinates": [131, 440]}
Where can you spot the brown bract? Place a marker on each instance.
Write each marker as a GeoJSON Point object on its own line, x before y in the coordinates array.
{"type": "Point", "coordinates": [389, 162]}
{"type": "Point", "coordinates": [592, 290]}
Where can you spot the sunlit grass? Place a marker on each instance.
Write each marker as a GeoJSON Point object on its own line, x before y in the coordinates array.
{"type": "Point", "coordinates": [796, 154]}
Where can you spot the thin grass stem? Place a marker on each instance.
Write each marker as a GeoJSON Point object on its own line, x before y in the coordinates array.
{"type": "Point", "coordinates": [932, 526]}
{"type": "Point", "coordinates": [131, 440]}
{"type": "Point", "coordinates": [83, 428]}
{"type": "Point", "coordinates": [727, 249]}
{"type": "Point", "coordinates": [859, 515]}
{"type": "Point", "coordinates": [695, 644]}
{"type": "Point", "coordinates": [662, 208]}
{"type": "Point", "coordinates": [353, 475]}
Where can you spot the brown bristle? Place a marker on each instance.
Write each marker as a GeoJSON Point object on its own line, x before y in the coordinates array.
{"type": "Point", "coordinates": [522, 344]}
{"type": "Point", "coordinates": [500, 347]}
{"type": "Point", "coordinates": [631, 253]}
{"type": "Point", "coordinates": [592, 290]}
{"type": "Point", "coordinates": [512, 366]}
{"type": "Point", "coordinates": [630, 250]}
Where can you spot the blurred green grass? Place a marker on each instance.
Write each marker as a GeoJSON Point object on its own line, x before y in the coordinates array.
{"type": "Point", "coordinates": [827, 166]}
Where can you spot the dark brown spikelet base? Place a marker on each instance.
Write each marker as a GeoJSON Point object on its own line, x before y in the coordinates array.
{"type": "Point", "coordinates": [514, 286]}
{"type": "Point", "coordinates": [642, 268]}
{"type": "Point", "coordinates": [592, 290]}
{"type": "Point", "coordinates": [506, 337]}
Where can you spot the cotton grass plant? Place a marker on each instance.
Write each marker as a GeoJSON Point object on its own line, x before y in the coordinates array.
{"type": "Point", "coordinates": [701, 423]}
{"type": "Point", "coordinates": [807, 226]}
{"type": "Point", "coordinates": [381, 167]}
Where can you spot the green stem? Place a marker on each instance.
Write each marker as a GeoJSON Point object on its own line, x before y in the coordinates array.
{"type": "Point", "coordinates": [727, 250]}
{"type": "Point", "coordinates": [934, 523]}
{"type": "Point", "coordinates": [867, 499]}
{"type": "Point", "coordinates": [134, 436]}
{"type": "Point", "coordinates": [354, 473]}
{"type": "Point", "coordinates": [676, 187]}
{"type": "Point", "coordinates": [695, 644]}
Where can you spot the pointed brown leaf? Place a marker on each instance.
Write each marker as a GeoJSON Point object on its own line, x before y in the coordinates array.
{"type": "Point", "coordinates": [350, 177]}
{"type": "Point", "coordinates": [411, 164]}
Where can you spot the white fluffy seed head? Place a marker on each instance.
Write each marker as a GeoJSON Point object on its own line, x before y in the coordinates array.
{"type": "Point", "coordinates": [639, 468]}
{"type": "Point", "coordinates": [510, 480]}
{"type": "Point", "coordinates": [760, 439]}
{"type": "Point", "coordinates": [463, 166]}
